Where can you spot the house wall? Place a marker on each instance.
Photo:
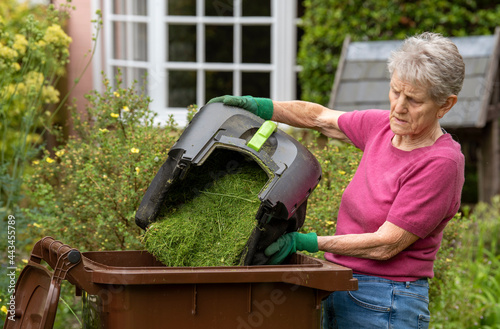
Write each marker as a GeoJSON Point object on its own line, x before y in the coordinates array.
{"type": "Point", "coordinates": [80, 29]}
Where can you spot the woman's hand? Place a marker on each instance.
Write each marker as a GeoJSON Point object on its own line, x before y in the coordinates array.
{"type": "Point", "coordinates": [288, 244]}
{"type": "Point", "coordinates": [262, 107]}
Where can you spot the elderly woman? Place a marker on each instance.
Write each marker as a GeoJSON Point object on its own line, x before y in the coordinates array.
{"type": "Point", "coordinates": [405, 190]}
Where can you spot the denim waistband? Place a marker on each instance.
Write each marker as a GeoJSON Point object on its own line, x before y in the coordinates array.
{"type": "Point", "coordinates": [424, 282]}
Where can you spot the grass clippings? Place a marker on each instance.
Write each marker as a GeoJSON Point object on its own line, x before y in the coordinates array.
{"type": "Point", "coordinates": [211, 226]}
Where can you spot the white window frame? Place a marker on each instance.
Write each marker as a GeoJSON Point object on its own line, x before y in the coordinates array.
{"type": "Point", "coordinates": [282, 68]}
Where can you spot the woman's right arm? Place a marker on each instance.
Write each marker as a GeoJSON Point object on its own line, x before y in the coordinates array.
{"type": "Point", "coordinates": [309, 115]}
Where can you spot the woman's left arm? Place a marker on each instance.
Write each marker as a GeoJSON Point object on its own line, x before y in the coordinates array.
{"type": "Point", "coordinates": [388, 241]}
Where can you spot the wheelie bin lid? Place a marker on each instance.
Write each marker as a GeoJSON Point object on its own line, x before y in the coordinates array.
{"type": "Point", "coordinates": [29, 305]}
{"type": "Point", "coordinates": [293, 170]}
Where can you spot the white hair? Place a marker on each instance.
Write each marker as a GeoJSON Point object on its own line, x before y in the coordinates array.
{"type": "Point", "coordinates": [432, 61]}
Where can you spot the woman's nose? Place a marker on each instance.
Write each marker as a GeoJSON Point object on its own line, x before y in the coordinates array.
{"type": "Point", "coordinates": [401, 105]}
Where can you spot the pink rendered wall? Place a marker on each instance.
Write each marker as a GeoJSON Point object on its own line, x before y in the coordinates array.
{"type": "Point", "coordinates": [80, 29]}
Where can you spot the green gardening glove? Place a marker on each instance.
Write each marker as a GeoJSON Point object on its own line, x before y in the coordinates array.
{"type": "Point", "coordinates": [262, 107]}
{"type": "Point", "coordinates": [288, 244]}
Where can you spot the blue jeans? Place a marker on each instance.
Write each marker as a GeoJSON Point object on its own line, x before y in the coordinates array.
{"type": "Point", "coordinates": [379, 303]}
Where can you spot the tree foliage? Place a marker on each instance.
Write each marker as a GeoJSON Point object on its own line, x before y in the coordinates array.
{"type": "Point", "coordinates": [326, 24]}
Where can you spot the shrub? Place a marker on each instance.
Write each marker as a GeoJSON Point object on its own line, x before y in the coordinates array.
{"type": "Point", "coordinates": [33, 55]}
{"type": "Point", "coordinates": [466, 292]}
{"type": "Point", "coordinates": [338, 163]}
{"type": "Point", "coordinates": [88, 193]}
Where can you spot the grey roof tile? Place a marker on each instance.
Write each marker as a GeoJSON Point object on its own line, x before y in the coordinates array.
{"type": "Point", "coordinates": [361, 70]}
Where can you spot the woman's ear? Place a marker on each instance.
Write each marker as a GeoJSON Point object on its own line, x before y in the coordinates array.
{"type": "Point", "coordinates": [448, 104]}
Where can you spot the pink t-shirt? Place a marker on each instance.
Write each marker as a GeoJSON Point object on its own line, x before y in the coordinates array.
{"type": "Point", "coordinates": [418, 191]}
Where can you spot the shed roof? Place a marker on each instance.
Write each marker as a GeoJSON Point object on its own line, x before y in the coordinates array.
{"type": "Point", "coordinates": [362, 79]}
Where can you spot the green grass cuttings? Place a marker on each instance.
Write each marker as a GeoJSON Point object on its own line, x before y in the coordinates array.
{"type": "Point", "coordinates": [212, 227]}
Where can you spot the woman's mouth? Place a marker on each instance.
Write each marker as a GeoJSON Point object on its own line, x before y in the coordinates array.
{"type": "Point", "coordinates": [399, 121]}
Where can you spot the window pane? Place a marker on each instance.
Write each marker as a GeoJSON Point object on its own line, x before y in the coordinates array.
{"type": "Point", "coordinates": [218, 84]}
{"type": "Point", "coordinates": [298, 87]}
{"type": "Point", "coordinates": [219, 7]}
{"type": "Point", "coordinates": [130, 7]}
{"type": "Point", "coordinates": [138, 76]}
{"type": "Point", "coordinates": [256, 7]}
{"type": "Point", "coordinates": [130, 41]}
{"type": "Point", "coordinates": [181, 88]}
{"type": "Point", "coordinates": [219, 43]}
{"type": "Point", "coordinates": [256, 44]}
{"type": "Point", "coordinates": [122, 78]}
{"type": "Point", "coordinates": [129, 75]}
{"type": "Point", "coordinates": [300, 34]}
{"type": "Point", "coordinates": [300, 8]}
{"type": "Point", "coordinates": [256, 84]}
{"type": "Point", "coordinates": [140, 41]}
{"type": "Point", "coordinates": [119, 40]}
{"type": "Point", "coordinates": [181, 7]}
{"type": "Point", "coordinates": [181, 43]}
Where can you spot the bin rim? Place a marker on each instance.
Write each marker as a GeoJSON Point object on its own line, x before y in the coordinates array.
{"type": "Point", "coordinates": [302, 270]}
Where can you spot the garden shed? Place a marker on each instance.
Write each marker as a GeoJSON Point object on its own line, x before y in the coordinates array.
{"type": "Point", "coordinates": [362, 82]}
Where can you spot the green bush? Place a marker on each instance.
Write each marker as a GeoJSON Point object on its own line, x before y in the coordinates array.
{"type": "Point", "coordinates": [338, 163]}
{"type": "Point", "coordinates": [87, 195]}
{"type": "Point", "coordinates": [466, 290]}
{"type": "Point", "coordinates": [326, 23]}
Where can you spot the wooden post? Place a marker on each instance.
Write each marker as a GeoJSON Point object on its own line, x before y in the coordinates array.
{"type": "Point", "coordinates": [489, 162]}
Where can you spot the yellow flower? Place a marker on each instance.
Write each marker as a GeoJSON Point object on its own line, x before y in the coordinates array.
{"type": "Point", "coordinates": [341, 172]}
{"type": "Point", "coordinates": [134, 150]}
{"type": "Point", "coordinates": [16, 66]}
{"type": "Point", "coordinates": [114, 115]}
{"type": "Point", "coordinates": [34, 80]}
{"type": "Point", "coordinates": [103, 130]}
{"type": "Point", "coordinates": [41, 43]}
{"type": "Point", "coordinates": [116, 94]}
{"type": "Point", "coordinates": [37, 225]}
{"type": "Point", "coordinates": [137, 170]}
{"type": "Point", "coordinates": [4, 309]}
{"type": "Point", "coordinates": [126, 109]}
{"type": "Point", "coordinates": [25, 261]}
{"type": "Point", "coordinates": [50, 160]}
{"type": "Point", "coordinates": [56, 36]}
{"type": "Point", "coordinates": [35, 162]}
{"type": "Point", "coordinates": [50, 95]}
{"type": "Point", "coordinates": [7, 53]}
{"type": "Point", "coordinates": [60, 153]}
{"type": "Point", "coordinates": [20, 43]}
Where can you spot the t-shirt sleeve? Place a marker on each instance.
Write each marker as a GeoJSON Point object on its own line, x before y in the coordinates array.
{"type": "Point", "coordinates": [429, 193]}
{"type": "Point", "coordinates": [359, 126]}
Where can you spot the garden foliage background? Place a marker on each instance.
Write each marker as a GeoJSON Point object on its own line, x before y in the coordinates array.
{"type": "Point", "coordinates": [85, 191]}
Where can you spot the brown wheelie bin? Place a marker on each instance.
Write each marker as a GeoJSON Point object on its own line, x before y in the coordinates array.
{"type": "Point", "coordinates": [131, 289]}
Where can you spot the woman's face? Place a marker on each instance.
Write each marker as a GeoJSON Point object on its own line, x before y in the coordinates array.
{"type": "Point", "coordinates": [413, 113]}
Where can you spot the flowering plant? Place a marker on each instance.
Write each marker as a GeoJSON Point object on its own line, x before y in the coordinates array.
{"type": "Point", "coordinates": [33, 55]}
{"type": "Point", "coordinates": [93, 185]}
